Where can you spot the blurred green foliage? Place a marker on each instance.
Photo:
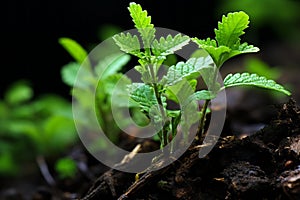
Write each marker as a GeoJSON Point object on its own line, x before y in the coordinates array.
{"type": "Point", "coordinates": [30, 127]}
{"type": "Point", "coordinates": [107, 31]}
{"type": "Point", "coordinates": [101, 76]}
{"type": "Point", "coordinates": [66, 168]}
{"type": "Point", "coordinates": [257, 66]}
{"type": "Point", "coordinates": [281, 16]}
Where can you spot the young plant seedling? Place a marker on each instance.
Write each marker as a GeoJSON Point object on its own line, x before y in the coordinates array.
{"type": "Point", "coordinates": [83, 92]}
{"type": "Point", "coordinates": [179, 83]}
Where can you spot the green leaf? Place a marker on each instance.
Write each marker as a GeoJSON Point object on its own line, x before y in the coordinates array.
{"type": "Point", "coordinates": [18, 93]}
{"type": "Point", "coordinates": [206, 42]}
{"type": "Point", "coordinates": [231, 28]}
{"type": "Point", "coordinates": [83, 99]}
{"type": "Point", "coordinates": [241, 49]}
{"type": "Point", "coordinates": [111, 65]}
{"type": "Point", "coordinates": [189, 114]}
{"type": "Point", "coordinates": [168, 45]}
{"type": "Point", "coordinates": [202, 95]}
{"type": "Point", "coordinates": [210, 46]}
{"type": "Point", "coordinates": [74, 49]}
{"type": "Point", "coordinates": [128, 43]}
{"type": "Point", "coordinates": [175, 91]}
{"type": "Point", "coordinates": [227, 43]}
{"type": "Point", "coordinates": [111, 97]}
{"type": "Point", "coordinates": [18, 127]}
{"type": "Point", "coordinates": [188, 70]}
{"type": "Point", "coordinates": [139, 16]}
{"type": "Point", "coordinates": [253, 80]}
{"type": "Point", "coordinates": [170, 60]}
{"type": "Point", "coordinates": [66, 168]}
{"type": "Point", "coordinates": [139, 117]}
{"type": "Point", "coordinates": [119, 92]}
{"type": "Point", "coordinates": [143, 23]}
{"type": "Point", "coordinates": [58, 133]}
{"type": "Point", "coordinates": [144, 95]}
{"type": "Point", "coordinates": [69, 73]}
{"type": "Point", "coordinates": [145, 73]}
{"type": "Point", "coordinates": [83, 96]}
{"type": "Point", "coordinates": [181, 93]}
{"type": "Point", "coordinates": [106, 86]}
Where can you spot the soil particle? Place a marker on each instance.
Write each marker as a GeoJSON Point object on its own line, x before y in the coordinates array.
{"type": "Point", "coordinates": [245, 180]}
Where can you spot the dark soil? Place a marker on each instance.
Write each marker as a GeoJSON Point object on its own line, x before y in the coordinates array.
{"type": "Point", "coordinates": [263, 165]}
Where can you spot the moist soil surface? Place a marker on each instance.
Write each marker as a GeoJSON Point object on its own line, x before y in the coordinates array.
{"type": "Point", "coordinates": [247, 162]}
{"type": "Point", "coordinates": [264, 165]}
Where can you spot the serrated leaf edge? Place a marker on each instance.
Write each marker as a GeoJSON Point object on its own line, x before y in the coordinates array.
{"type": "Point", "coordinates": [239, 79]}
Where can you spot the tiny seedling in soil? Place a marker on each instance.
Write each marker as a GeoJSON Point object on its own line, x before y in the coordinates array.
{"type": "Point", "coordinates": [154, 94]}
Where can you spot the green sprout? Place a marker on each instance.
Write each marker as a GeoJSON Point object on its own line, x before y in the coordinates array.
{"type": "Point", "coordinates": [179, 84]}
{"type": "Point", "coordinates": [84, 93]}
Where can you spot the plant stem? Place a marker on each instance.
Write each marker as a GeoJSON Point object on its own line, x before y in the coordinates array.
{"type": "Point", "coordinates": [163, 114]}
{"type": "Point", "coordinates": [153, 72]}
{"type": "Point", "coordinates": [200, 130]}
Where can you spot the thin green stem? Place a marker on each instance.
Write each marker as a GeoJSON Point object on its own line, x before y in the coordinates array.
{"type": "Point", "coordinates": [163, 114]}
{"type": "Point", "coordinates": [200, 130]}
{"type": "Point", "coordinates": [148, 53]}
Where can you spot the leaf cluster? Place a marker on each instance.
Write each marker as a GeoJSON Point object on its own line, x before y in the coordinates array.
{"type": "Point", "coordinates": [180, 81]}
{"type": "Point", "coordinates": [100, 77]}
{"type": "Point", "coordinates": [31, 127]}
{"type": "Point", "coordinates": [154, 94]}
{"type": "Point", "coordinates": [227, 42]}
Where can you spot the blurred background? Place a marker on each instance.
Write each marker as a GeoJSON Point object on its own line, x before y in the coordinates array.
{"type": "Point", "coordinates": [30, 31]}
